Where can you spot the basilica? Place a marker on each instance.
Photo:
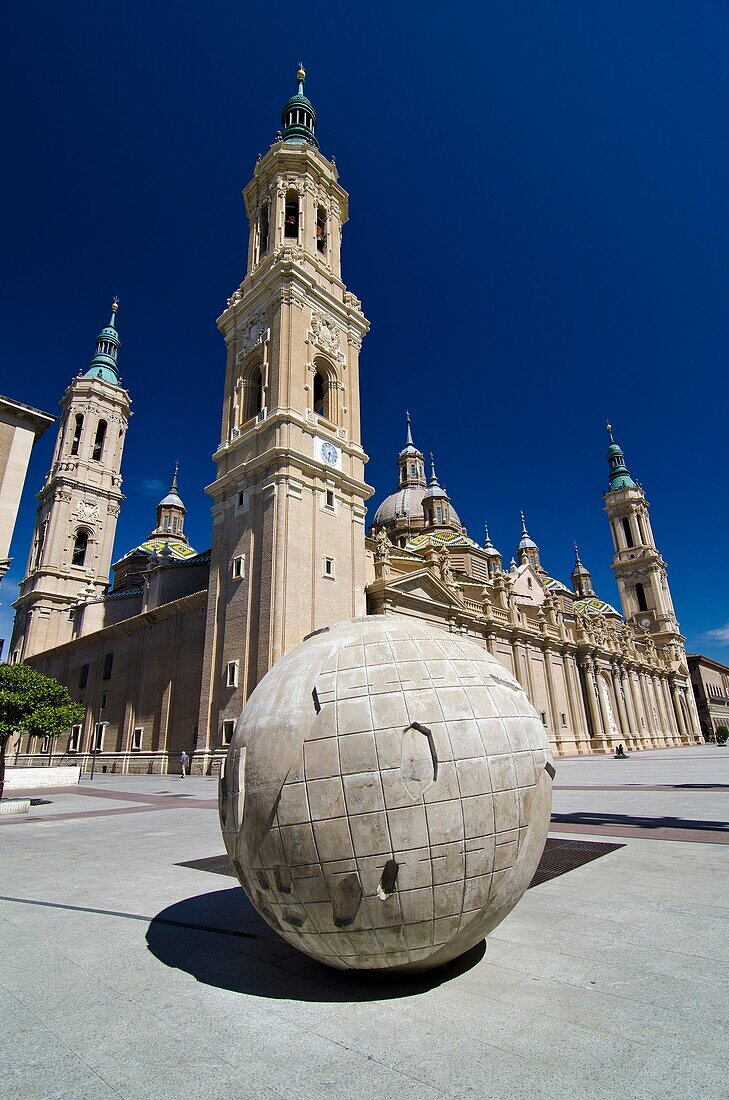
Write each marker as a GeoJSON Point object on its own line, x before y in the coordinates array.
{"type": "Point", "coordinates": [164, 656]}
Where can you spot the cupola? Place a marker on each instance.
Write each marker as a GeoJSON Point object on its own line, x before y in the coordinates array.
{"type": "Point", "coordinates": [581, 578]}
{"type": "Point", "coordinates": [299, 117]}
{"type": "Point", "coordinates": [527, 550]}
{"type": "Point", "coordinates": [104, 363]}
{"type": "Point", "coordinates": [171, 513]}
{"type": "Point", "coordinates": [619, 473]}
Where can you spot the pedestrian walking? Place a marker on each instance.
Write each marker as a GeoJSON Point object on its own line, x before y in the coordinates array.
{"type": "Point", "coordinates": [184, 764]}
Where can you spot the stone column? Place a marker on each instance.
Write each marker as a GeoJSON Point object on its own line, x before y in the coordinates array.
{"type": "Point", "coordinates": [683, 732]}
{"type": "Point", "coordinates": [622, 713]}
{"type": "Point", "coordinates": [596, 722]}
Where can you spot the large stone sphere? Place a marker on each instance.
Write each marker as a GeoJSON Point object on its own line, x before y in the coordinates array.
{"type": "Point", "coordinates": [386, 797]}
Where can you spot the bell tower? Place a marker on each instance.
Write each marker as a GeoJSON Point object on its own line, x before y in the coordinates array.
{"type": "Point", "coordinates": [288, 551]}
{"type": "Point", "coordinates": [639, 569]}
{"type": "Point", "coordinates": [78, 506]}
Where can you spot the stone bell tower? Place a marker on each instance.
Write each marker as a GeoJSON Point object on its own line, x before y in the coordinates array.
{"type": "Point", "coordinates": [288, 553]}
{"type": "Point", "coordinates": [639, 569]}
{"type": "Point", "coordinates": [78, 506]}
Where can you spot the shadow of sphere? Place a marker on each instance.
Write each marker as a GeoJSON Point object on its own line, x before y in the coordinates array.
{"type": "Point", "coordinates": [221, 941]}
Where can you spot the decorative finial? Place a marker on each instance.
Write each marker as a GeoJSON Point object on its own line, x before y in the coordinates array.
{"type": "Point", "coordinates": [433, 475]}
{"type": "Point", "coordinates": [523, 525]}
{"type": "Point", "coordinates": [173, 487]}
{"type": "Point", "coordinates": [409, 436]}
{"type": "Point", "coordinates": [577, 554]}
{"type": "Point", "coordinates": [114, 308]}
{"type": "Point", "coordinates": [115, 303]}
{"type": "Point", "coordinates": [609, 428]}
{"type": "Point", "coordinates": [488, 543]}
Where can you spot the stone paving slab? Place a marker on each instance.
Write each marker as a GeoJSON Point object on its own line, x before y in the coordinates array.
{"type": "Point", "coordinates": [611, 980]}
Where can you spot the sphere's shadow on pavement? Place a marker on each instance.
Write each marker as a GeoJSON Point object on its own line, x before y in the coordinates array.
{"type": "Point", "coordinates": [221, 941]}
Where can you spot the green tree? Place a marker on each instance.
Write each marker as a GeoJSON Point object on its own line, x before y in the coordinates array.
{"type": "Point", "coordinates": [34, 703]}
{"type": "Point", "coordinates": [722, 733]}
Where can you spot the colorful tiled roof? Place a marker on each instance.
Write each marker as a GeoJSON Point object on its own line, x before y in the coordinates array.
{"type": "Point", "coordinates": [179, 551]}
{"type": "Point", "coordinates": [553, 585]}
{"type": "Point", "coordinates": [594, 606]}
{"type": "Point", "coordinates": [450, 539]}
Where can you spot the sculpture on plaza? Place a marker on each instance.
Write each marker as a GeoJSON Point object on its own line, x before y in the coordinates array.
{"type": "Point", "coordinates": [386, 796]}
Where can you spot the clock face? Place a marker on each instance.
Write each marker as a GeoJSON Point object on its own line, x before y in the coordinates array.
{"type": "Point", "coordinates": [645, 622]}
{"type": "Point", "coordinates": [330, 453]}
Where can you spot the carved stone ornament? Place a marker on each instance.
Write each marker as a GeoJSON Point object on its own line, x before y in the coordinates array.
{"type": "Point", "coordinates": [325, 334]}
{"type": "Point", "coordinates": [253, 332]}
{"type": "Point", "coordinates": [88, 511]}
{"type": "Point", "coordinates": [235, 297]}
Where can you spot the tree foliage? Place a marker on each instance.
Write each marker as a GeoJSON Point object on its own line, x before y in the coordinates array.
{"type": "Point", "coordinates": [32, 702]}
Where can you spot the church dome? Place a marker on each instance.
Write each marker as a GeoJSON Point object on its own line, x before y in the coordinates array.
{"type": "Point", "coordinates": [299, 117]}
{"type": "Point", "coordinates": [406, 503]}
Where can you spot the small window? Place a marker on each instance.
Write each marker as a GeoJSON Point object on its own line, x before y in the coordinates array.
{"type": "Point", "coordinates": [321, 229]}
{"type": "Point", "coordinates": [330, 498]}
{"type": "Point", "coordinates": [228, 730]}
{"type": "Point", "coordinates": [45, 743]}
{"type": "Point", "coordinates": [83, 676]}
{"type": "Point", "coordinates": [439, 514]}
{"type": "Point", "coordinates": [239, 567]}
{"type": "Point", "coordinates": [74, 739]}
{"type": "Point", "coordinates": [640, 597]}
{"type": "Point", "coordinates": [241, 498]}
{"type": "Point", "coordinates": [231, 674]}
{"type": "Point", "coordinates": [291, 215]}
{"type": "Point", "coordinates": [564, 719]}
{"type": "Point", "coordinates": [106, 672]}
{"type": "Point", "coordinates": [99, 441]}
{"type": "Point", "coordinates": [137, 735]}
{"type": "Point", "coordinates": [329, 567]}
{"type": "Point", "coordinates": [77, 429]}
{"type": "Point", "coordinates": [80, 546]}
{"type": "Point", "coordinates": [544, 718]}
{"type": "Point", "coordinates": [98, 743]}
{"type": "Point", "coordinates": [174, 525]}
{"type": "Point", "coordinates": [166, 523]}
{"type": "Point", "coordinates": [15, 657]}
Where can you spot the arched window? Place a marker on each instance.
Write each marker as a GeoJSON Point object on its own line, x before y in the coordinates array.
{"type": "Point", "coordinates": [640, 597]}
{"type": "Point", "coordinates": [291, 215]}
{"type": "Point", "coordinates": [320, 401]}
{"type": "Point", "coordinates": [641, 529]}
{"type": "Point", "coordinates": [321, 229]}
{"type": "Point", "coordinates": [40, 539]}
{"type": "Point", "coordinates": [80, 546]}
{"type": "Point", "coordinates": [251, 398]}
{"type": "Point", "coordinates": [174, 525]}
{"type": "Point", "coordinates": [166, 523]}
{"type": "Point", "coordinates": [627, 532]}
{"type": "Point", "coordinates": [263, 230]}
{"type": "Point", "coordinates": [77, 429]}
{"type": "Point", "coordinates": [99, 441]}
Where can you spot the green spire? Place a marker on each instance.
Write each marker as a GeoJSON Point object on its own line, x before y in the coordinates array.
{"type": "Point", "coordinates": [619, 473]}
{"type": "Point", "coordinates": [104, 363]}
{"type": "Point", "coordinates": [299, 116]}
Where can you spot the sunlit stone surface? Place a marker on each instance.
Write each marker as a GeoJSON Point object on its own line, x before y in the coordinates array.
{"type": "Point", "coordinates": [387, 794]}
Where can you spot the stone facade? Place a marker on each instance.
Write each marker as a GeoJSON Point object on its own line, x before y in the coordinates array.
{"type": "Point", "coordinates": [20, 427]}
{"type": "Point", "coordinates": [710, 682]}
{"type": "Point", "coordinates": [178, 644]}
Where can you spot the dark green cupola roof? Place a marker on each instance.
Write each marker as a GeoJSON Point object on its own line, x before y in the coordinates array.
{"type": "Point", "coordinates": [619, 473]}
{"type": "Point", "coordinates": [299, 116]}
{"type": "Point", "coordinates": [104, 363]}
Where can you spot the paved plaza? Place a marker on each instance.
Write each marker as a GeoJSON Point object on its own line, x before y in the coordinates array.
{"type": "Point", "coordinates": [132, 966]}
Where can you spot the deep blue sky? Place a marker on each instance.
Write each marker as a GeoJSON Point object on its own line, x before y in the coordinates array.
{"type": "Point", "coordinates": [539, 234]}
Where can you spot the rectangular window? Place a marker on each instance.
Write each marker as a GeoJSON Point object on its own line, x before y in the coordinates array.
{"type": "Point", "coordinates": [564, 719]}
{"type": "Point", "coordinates": [231, 674]}
{"type": "Point", "coordinates": [241, 498]}
{"type": "Point", "coordinates": [330, 498]}
{"type": "Point", "coordinates": [239, 567]}
{"type": "Point", "coordinates": [544, 718]}
{"type": "Point", "coordinates": [83, 676]}
{"type": "Point", "coordinates": [228, 731]}
{"type": "Point", "coordinates": [329, 567]}
{"type": "Point", "coordinates": [98, 741]}
{"type": "Point", "coordinates": [74, 740]}
{"type": "Point", "coordinates": [108, 665]}
{"type": "Point", "coordinates": [137, 735]}
{"type": "Point", "coordinates": [45, 743]}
